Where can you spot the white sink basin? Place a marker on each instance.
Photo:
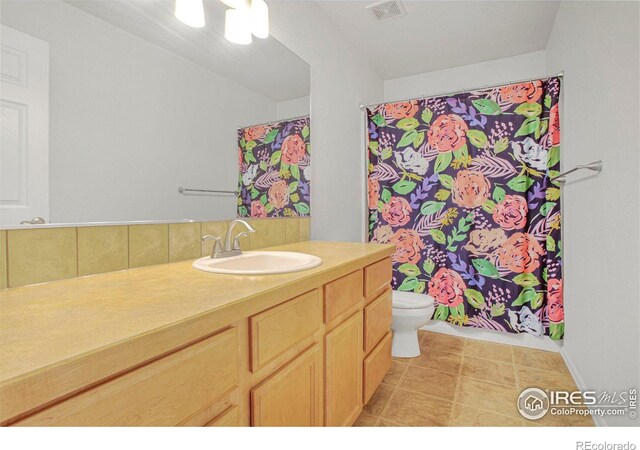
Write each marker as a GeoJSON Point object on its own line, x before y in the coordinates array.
{"type": "Point", "coordinates": [259, 263]}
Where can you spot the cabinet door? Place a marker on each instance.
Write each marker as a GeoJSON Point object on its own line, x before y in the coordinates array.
{"type": "Point", "coordinates": [292, 396]}
{"type": "Point", "coordinates": [343, 374]}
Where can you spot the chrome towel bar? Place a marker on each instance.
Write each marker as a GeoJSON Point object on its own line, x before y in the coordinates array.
{"type": "Point", "coordinates": [595, 166]}
{"type": "Point", "coordinates": [183, 190]}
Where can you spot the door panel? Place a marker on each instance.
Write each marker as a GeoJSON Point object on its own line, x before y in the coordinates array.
{"type": "Point", "coordinates": [24, 109]}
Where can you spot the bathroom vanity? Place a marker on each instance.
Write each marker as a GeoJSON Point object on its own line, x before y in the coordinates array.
{"type": "Point", "coordinates": [170, 345]}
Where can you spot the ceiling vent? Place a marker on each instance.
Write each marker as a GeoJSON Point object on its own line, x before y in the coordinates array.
{"type": "Point", "coordinates": [385, 11]}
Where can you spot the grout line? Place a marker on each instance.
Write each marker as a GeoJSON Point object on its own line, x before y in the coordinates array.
{"type": "Point", "coordinates": [6, 257]}
{"type": "Point", "coordinates": [458, 382]}
{"type": "Point", "coordinates": [77, 253]}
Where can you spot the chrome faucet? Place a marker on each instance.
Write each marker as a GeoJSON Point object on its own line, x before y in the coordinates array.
{"type": "Point", "coordinates": [230, 249]}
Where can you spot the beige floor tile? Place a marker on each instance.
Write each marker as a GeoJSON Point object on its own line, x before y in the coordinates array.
{"type": "Point", "coordinates": [466, 416]}
{"type": "Point", "coordinates": [398, 368]}
{"type": "Point", "coordinates": [544, 379]}
{"type": "Point", "coordinates": [439, 360]}
{"type": "Point", "coordinates": [379, 400]}
{"type": "Point", "coordinates": [429, 382]}
{"type": "Point", "coordinates": [539, 359]}
{"type": "Point", "coordinates": [388, 423]}
{"type": "Point", "coordinates": [413, 409]}
{"type": "Point", "coordinates": [488, 350]}
{"type": "Point", "coordinates": [441, 342]}
{"type": "Point", "coordinates": [365, 420]}
{"type": "Point", "coordinates": [488, 396]}
{"type": "Point", "coordinates": [494, 372]}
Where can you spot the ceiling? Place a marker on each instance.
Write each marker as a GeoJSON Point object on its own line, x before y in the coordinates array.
{"type": "Point", "coordinates": [437, 35]}
{"type": "Point", "coordinates": [257, 66]}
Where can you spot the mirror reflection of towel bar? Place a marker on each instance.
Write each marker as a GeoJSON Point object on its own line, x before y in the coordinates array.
{"type": "Point", "coordinates": [182, 190]}
{"type": "Point", "coordinates": [596, 166]}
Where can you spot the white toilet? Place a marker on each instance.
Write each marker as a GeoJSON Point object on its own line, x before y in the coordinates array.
{"type": "Point", "coordinates": [410, 312]}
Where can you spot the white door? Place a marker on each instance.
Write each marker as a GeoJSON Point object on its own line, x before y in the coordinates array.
{"type": "Point", "coordinates": [24, 148]}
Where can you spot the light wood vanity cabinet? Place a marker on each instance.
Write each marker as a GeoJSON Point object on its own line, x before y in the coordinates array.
{"type": "Point", "coordinates": [311, 360]}
{"type": "Point", "coordinates": [292, 396]}
{"type": "Point", "coordinates": [343, 372]}
{"type": "Point", "coordinates": [378, 314]}
{"type": "Point", "coordinates": [186, 384]}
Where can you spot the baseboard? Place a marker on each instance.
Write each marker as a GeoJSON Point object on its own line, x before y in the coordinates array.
{"type": "Point", "coordinates": [600, 421]}
{"type": "Point", "coordinates": [520, 340]}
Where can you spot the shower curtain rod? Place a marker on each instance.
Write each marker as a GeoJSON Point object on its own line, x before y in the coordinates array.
{"type": "Point", "coordinates": [288, 119]}
{"type": "Point", "coordinates": [442, 94]}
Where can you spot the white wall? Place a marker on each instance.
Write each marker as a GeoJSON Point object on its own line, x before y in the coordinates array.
{"type": "Point", "coordinates": [597, 46]}
{"type": "Point", "coordinates": [295, 107]}
{"type": "Point", "coordinates": [130, 122]}
{"type": "Point", "coordinates": [340, 80]}
{"type": "Point", "coordinates": [529, 65]}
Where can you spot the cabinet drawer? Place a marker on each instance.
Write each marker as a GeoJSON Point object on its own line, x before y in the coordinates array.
{"type": "Point", "coordinates": [161, 393]}
{"type": "Point", "coordinates": [377, 320]}
{"type": "Point", "coordinates": [280, 328]}
{"type": "Point", "coordinates": [229, 418]}
{"type": "Point", "coordinates": [377, 277]}
{"type": "Point", "coordinates": [342, 295]}
{"type": "Point", "coordinates": [376, 366]}
{"type": "Point", "coordinates": [292, 397]}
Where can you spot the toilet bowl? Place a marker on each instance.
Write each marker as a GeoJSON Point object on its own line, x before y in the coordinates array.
{"type": "Point", "coordinates": [410, 312]}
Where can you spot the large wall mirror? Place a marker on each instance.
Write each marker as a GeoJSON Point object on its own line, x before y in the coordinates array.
{"type": "Point", "coordinates": [108, 107]}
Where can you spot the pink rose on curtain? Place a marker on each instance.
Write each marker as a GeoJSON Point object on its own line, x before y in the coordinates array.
{"type": "Point", "coordinates": [522, 92]}
{"type": "Point", "coordinates": [257, 210]}
{"type": "Point", "coordinates": [555, 307]}
{"type": "Point", "coordinates": [408, 246]}
{"type": "Point", "coordinates": [397, 212]}
{"type": "Point", "coordinates": [447, 133]}
{"type": "Point", "coordinates": [401, 110]}
{"type": "Point", "coordinates": [470, 189]}
{"type": "Point", "coordinates": [511, 212]}
{"type": "Point", "coordinates": [374, 193]}
{"type": "Point", "coordinates": [447, 287]}
{"type": "Point", "coordinates": [520, 253]}
{"type": "Point", "coordinates": [279, 194]}
{"type": "Point", "coordinates": [253, 133]}
{"type": "Point", "coordinates": [554, 125]}
{"type": "Point", "coordinates": [293, 149]}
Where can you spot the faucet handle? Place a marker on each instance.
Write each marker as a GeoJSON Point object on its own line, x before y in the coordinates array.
{"type": "Point", "coordinates": [217, 245]}
{"type": "Point", "coordinates": [236, 241]}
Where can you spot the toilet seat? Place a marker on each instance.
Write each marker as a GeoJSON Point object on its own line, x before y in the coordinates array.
{"type": "Point", "coordinates": [411, 300]}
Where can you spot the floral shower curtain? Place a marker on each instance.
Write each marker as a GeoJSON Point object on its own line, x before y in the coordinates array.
{"type": "Point", "coordinates": [274, 161]}
{"type": "Point", "coordinates": [461, 185]}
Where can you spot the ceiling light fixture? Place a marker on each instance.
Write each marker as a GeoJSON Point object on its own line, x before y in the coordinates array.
{"type": "Point", "coordinates": [236, 4]}
{"type": "Point", "coordinates": [237, 26]}
{"type": "Point", "coordinates": [259, 12]}
{"type": "Point", "coordinates": [243, 19]}
{"type": "Point", "coordinates": [190, 12]}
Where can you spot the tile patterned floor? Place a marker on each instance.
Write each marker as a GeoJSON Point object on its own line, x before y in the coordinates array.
{"type": "Point", "coordinates": [465, 382]}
